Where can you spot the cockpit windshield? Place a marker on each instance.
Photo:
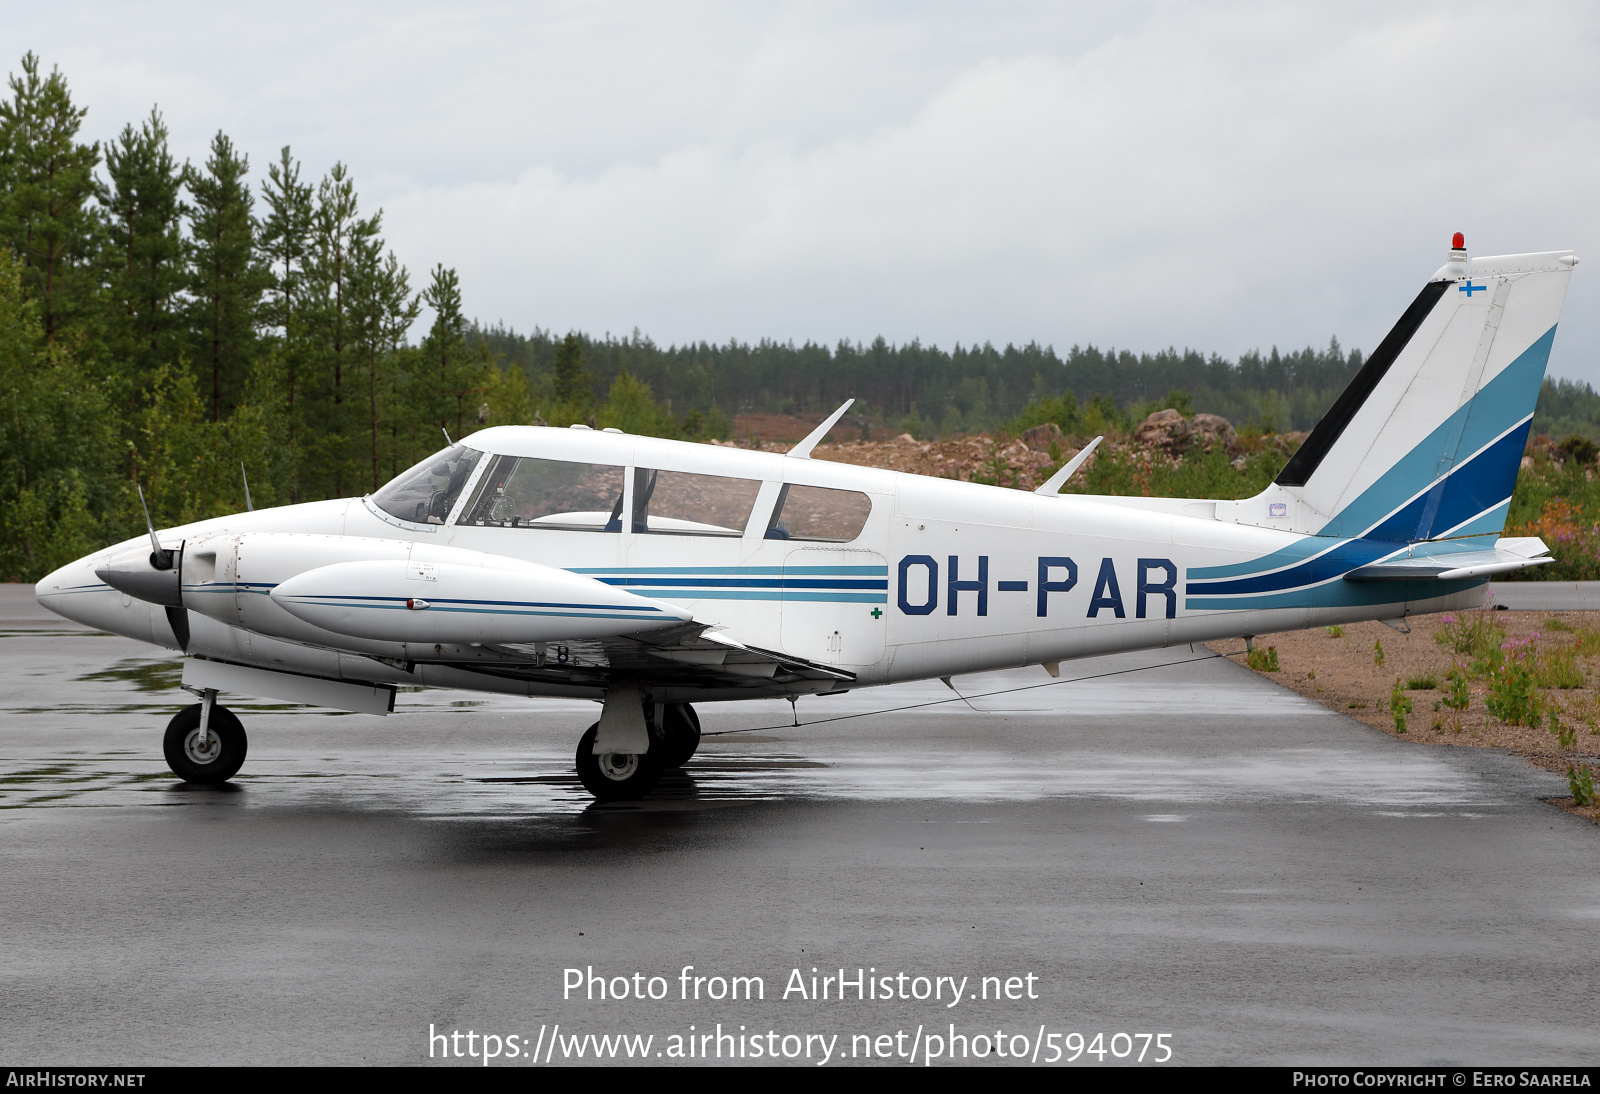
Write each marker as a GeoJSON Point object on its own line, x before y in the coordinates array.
{"type": "Point", "coordinates": [426, 493]}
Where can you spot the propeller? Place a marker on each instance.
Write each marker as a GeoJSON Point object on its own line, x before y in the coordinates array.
{"type": "Point", "coordinates": [155, 578]}
{"type": "Point", "coordinates": [160, 557]}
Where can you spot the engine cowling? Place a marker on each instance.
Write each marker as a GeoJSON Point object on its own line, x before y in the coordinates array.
{"type": "Point", "coordinates": [144, 575]}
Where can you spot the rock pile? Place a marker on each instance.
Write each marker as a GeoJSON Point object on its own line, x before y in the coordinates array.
{"type": "Point", "coordinates": [1026, 461]}
{"type": "Point", "coordinates": [1041, 437]}
{"type": "Point", "coordinates": [1206, 430]}
{"type": "Point", "coordinates": [1170, 432]}
{"type": "Point", "coordinates": [979, 458]}
{"type": "Point", "coordinates": [1165, 429]}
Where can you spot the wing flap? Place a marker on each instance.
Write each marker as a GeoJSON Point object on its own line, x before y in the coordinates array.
{"type": "Point", "coordinates": [689, 655]}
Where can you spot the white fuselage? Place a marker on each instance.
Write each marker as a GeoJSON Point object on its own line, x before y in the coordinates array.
{"type": "Point", "coordinates": [945, 577]}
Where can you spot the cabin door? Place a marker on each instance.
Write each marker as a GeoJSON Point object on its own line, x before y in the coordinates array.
{"type": "Point", "coordinates": [835, 605]}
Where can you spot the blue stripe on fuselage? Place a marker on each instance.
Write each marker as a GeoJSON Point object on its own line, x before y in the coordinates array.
{"type": "Point", "coordinates": [1338, 594]}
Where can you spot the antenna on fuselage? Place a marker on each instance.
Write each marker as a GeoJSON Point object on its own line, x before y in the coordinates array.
{"type": "Point", "coordinates": [802, 451]}
{"type": "Point", "coordinates": [1052, 486]}
{"type": "Point", "coordinates": [446, 433]}
{"type": "Point", "coordinates": [249, 506]}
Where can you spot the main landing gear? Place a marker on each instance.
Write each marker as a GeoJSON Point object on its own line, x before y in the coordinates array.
{"type": "Point", "coordinates": [674, 734]}
{"type": "Point", "coordinates": [205, 743]}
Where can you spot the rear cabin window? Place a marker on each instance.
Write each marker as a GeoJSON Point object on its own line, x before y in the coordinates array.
{"type": "Point", "coordinates": [523, 492]}
{"type": "Point", "coordinates": [676, 503]}
{"type": "Point", "coordinates": [427, 492]}
{"type": "Point", "coordinates": [819, 513]}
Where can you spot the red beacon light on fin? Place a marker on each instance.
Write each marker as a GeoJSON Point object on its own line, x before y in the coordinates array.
{"type": "Point", "coordinates": [1456, 264]}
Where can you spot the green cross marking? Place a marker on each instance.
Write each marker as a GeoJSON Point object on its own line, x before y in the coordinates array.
{"type": "Point", "coordinates": [877, 613]}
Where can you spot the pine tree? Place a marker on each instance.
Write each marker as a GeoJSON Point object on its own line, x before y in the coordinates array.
{"type": "Point", "coordinates": [448, 333]}
{"type": "Point", "coordinates": [382, 309]}
{"type": "Point", "coordinates": [285, 240]}
{"type": "Point", "coordinates": [336, 233]}
{"type": "Point", "coordinates": [285, 244]}
{"type": "Point", "coordinates": [452, 378]}
{"type": "Point", "coordinates": [225, 280]}
{"type": "Point", "coordinates": [574, 398]}
{"type": "Point", "coordinates": [46, 182]}
{"type": "Point", "coordinates": [144, 253]}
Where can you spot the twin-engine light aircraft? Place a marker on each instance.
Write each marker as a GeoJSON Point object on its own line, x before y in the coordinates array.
{"type": "Point", "coordinates": [649, 575]}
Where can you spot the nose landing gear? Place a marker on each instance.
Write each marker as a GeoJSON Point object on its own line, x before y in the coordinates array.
{"type": "Point", "coordinates": [209, 757]}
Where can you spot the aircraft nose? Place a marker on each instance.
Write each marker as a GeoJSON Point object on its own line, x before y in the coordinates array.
{"type": "Point", "coordinates": [69, 590]}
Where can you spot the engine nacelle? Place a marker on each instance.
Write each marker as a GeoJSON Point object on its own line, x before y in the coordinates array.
{"type": "Point", "coordinates": [499, 600]}
{"type": "Point", "coordinates": [229, 577]}
{"type": "Point", "coordinates": [385, 593]}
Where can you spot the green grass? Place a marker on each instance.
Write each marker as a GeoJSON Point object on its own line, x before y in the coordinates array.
{"type": "Point", "coordinates": [1473, 634]}
{"type": "Point", "coordinates": [1561, 505]}
{"type": "Point", "coordinates": [1198, 475]}
{"type": "Point", "coordinates": [1558, 668]}
{"type": "Point", "coordinates": [1264, 660]}
{"type": "Point", "coordinates": [1580, 779]}
{"type": "Point", "coordinates": [1425, 682]}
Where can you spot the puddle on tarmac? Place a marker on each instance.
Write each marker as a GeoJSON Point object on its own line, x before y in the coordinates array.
{"type": "Point", "coordinates": [480, 784]}
{"type": "Point", "coordinates": [164, 675]}
{"type": "Point", "coordinates": [422, 764]}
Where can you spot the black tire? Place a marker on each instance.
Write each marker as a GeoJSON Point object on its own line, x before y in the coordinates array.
{"type": "Point", "coordinates": [617, 777]}
{"type": "Point", "coordinates": [682, 729]}
{"type": "Point", "coordinates": [228, 749]}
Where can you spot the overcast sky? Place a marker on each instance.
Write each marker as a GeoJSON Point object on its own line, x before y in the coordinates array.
{"type": "Point", "coordinates": [1220, 176]}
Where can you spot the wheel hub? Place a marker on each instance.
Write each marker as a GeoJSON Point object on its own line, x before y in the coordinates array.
{"type": "Point", "coordinates": [618, 766]}
{"type": "Point", "coordinates": [202, 755]}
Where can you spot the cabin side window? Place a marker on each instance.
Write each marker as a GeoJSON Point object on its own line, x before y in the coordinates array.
{"type": "Point", "coordinates": [819, 513]}
{"type": "Point", "coordinates": [676, 503]}
{"type": "Point", "coordinates": [427, 492]}
{"type": "Point", "coordinates": [523, 492]}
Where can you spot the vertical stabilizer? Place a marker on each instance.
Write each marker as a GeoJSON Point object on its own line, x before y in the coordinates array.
{"type": "Point", "coordinates": [1426, 441]}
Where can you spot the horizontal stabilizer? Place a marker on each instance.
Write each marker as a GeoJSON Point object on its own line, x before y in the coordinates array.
{"type": "Point", "coordinates": [1507, 555]}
